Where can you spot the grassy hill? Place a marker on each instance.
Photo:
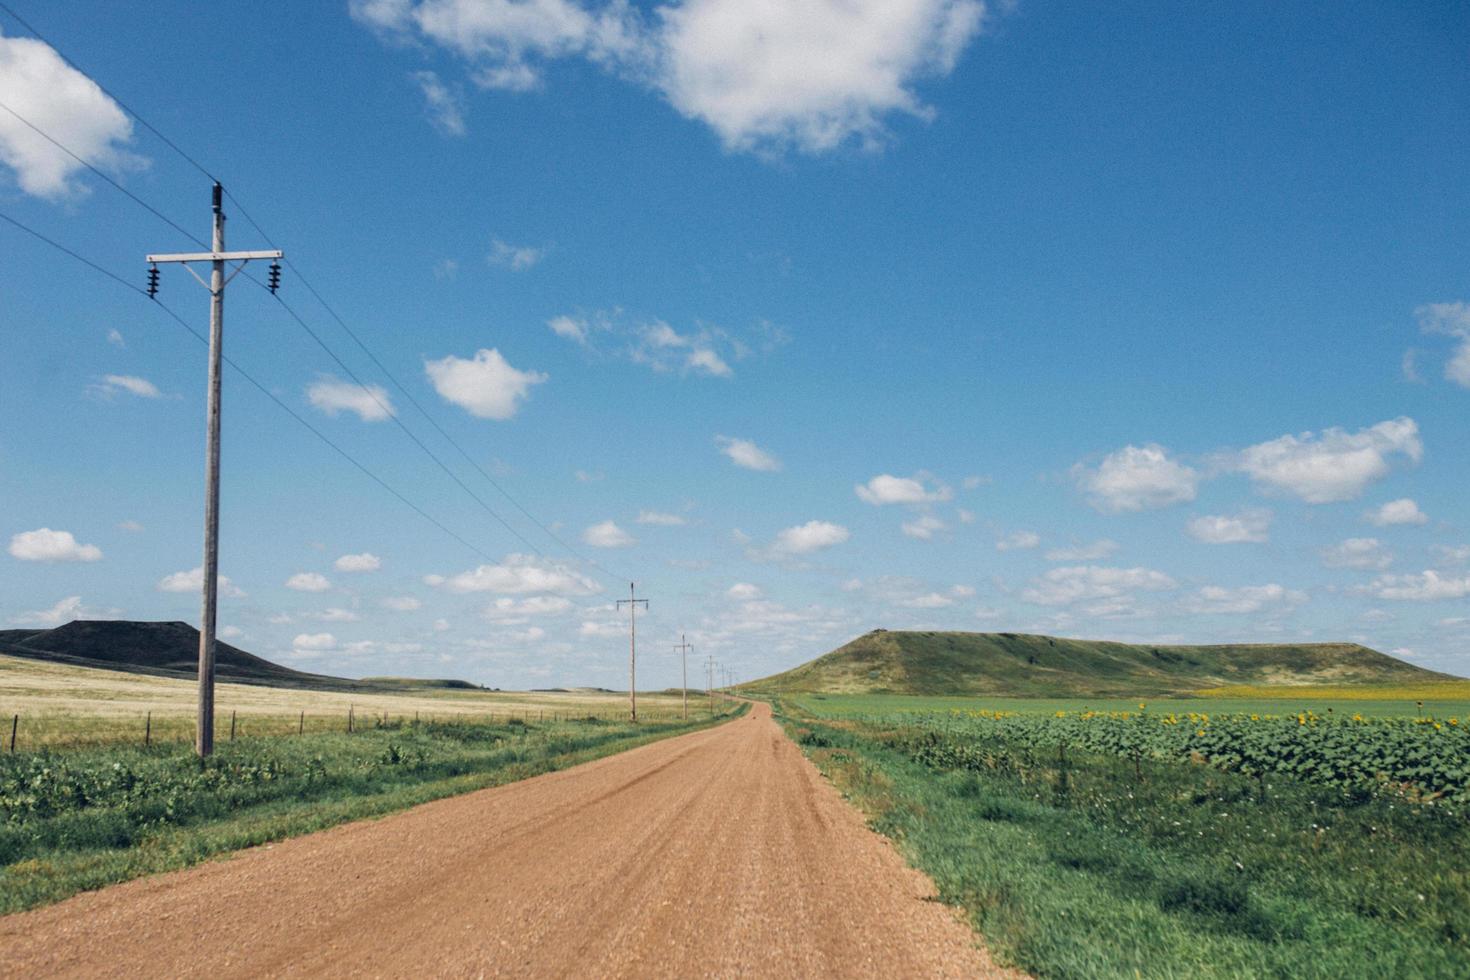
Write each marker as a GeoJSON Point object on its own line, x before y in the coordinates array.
{"type": "Point", "coordinates": [1022, 665]}
{"type": "Point", "coordinates": [172, 650]}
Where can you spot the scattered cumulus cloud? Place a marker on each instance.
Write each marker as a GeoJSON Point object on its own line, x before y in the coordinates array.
{"type": "Point", "coordinates": [607, 534]}
{"type": "Point", "coordinates": [1358, 553]}
{"type": "Point", "coordinates": [518, 574]}
{"type": "Point", "coordinates": [1085, 583]}
{"type": "Point", "coordinates": [1246, 527]}
{"type": "Point", "coordinates": [1137, 478]}
{"type": "Point", "coordinates": [68, 105]}
{"type": "Point", "coordinates": [660, 519]}
{"type": "Point", "coordinates": [443, 104]}
{"type": "Point", "coordinates": [336, 614]}
{"type": "Point", "coordinates": [370, 403]}
{"type": "Point", "coordinates": [44, 544]}
{"type": "Point", "coordinates": [813, 536]}
{"type": "Point", "coordinates": [923, 527]}
{"type": "Point", "coordinates": [1330, 466]}
{"type": "Point", "coordinates": [1095, 551]}
{"type": "Point", "coordinates": [742, 68]}
{"type": "Point", "coordinates": [1018, 541]}
{"type": "Point", "coordinates": [1395, 512]}
{"type": "Point", "coordinates": [743, 592]}
{"type": "Point", "coordinates": [888, 489]}
{"type": "Point", "coordinates": [1427, 586]}
{"type": "Point", "coordinates": [1452, 319]}
{"type": "Point", "coordinates": [401, 603]}
{"type": "Point", "coordinates": [63, 612]}
{"type": "Point", "coordinates": [111, 385]}
{"type": "Point", "coordinates": [517, 258]}
{"type": "Point", "coordinates": [569, 327]}
{"type": "Point", "coordinates": [747, 455]}
{"type": "Point", "coordinates": [115, 338]}
{"type": "Point", "coordinates": [193, 581]}
{"type": "Point", "coordinates": [486, 385]}
{"type": "Point", "coordinates": [132, 527]}
{"type": "Point", "coordinates": [308, 582]}
{"type": "Point", "coordinates": [1217, 600]}
{"type": "Point", "coordinates": [365, 562]}
{"type": "Point", "coordinates": [314, 642]}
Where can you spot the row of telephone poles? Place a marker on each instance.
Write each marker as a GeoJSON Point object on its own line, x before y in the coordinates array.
{"type": "Point", "coordinates": [220, 277]}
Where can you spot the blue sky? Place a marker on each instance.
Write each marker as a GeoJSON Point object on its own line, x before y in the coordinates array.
{"type": "Point", "coordinates": [1123, 321]}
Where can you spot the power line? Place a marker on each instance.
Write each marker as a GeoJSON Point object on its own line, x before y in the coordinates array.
{"type": "Point", "coordinates": [248, 377]}
{"type": "Point", "coordinates": [320, 299]}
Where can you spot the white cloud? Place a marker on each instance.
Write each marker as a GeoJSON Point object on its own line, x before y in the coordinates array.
{"type": "Point", "coordinates": [1402, 511]}
{"type": "Point", "coordinates": [930, 600]}
{"type": "Point", "coordinates": [888, 489]}
{"type": "Point", "coordinates": [193, 581]}
{"type": "Point", "coordinates": [115, 338]}
{"type": "Point", "coordinates": [572, 328]}
{"type": "Point", "coordinates": [1452, 319]}
{"type": "Point", "coordinates": [663, 348]}
{"type": "Point", "coordinates": [1333, 466]}
{"type": "Point", "coordinates": [803, 539]}
{"type": "Point", "coordinates": [1246, 527]}
{"type": "Point", "coordinates": [746, 67]}
{"type": "Point", "coordinates": [365, 562]}
{"type": "Point", "coordinates": [1358, 553]}
{"type": "Point", "coordinates": [607, 534]}
{"type": "Point", "coordinates": [1217, 600]}
{"type": "Point", "coordinates": [519, 574]}
{"type": "Point", "coordinates": [369, 402]}
{"type": "Point", "coordinates": [587, 476]}
{"type": "Point", "coordinates": [65, 611]}
{"type": "Point", "coordinates": [517, 258]}
{"type": "Point", "coordinates": [337, 615]}
{"type": "Point", "coordinates": [923, 527]}
{"type": "Point", "coordinates": [445, 105]}
{"type": "Point", "coordinates": [965, 516]}
{"type": "Point", "coordinates": [1137, 478]}
{"type": "Point", "coordinates": [308, 582]}
{"type": "Point", "coordinates": [747, 455]}
{"type": "Point", "coordinates": [593, 629]}
{"type": "Point", "coordinates": [1451, 554]}
{"type": "Point", "coordinates": [314, 642]}
{"type": "Point", "coordinates": [706, 361]}
{"type": "Point", "coordinates": [1018, 541]}
{"type": "Point", "coordinates": [112, 385]}
{"type": "Point", "coordinates": [44, 544]}
{"type": "Point", "coordinates": [1427, 586]}
{"type": "Point", "coordinates": [486, 386]}
{"type": "Point", "coordinates": [743, 592]}
{"type": "Point", "coordinates": [660, 519]}
{"type": "Point", "coordinates": [401, 603]}
{"type": "Point", "coordinates": [132, 527]}
{"type": "Point", "coordinates": [1084, 552]}
{"type": "Point", "coordinates": [68, 105]}
{"type": "Point", "coordinates": [743, 67]}
{"type": "Point", "coordinates": [506, 609]}
{"type": "Point", "coordinates": [231, 633]}
{"type": "Point", "coordinates": [1086, 583]}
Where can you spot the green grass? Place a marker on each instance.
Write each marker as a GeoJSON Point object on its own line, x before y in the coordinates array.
{"type": "Point", "coordinates": [78, 820]}
{"type": "Point", "coordinates": [1078, 864]}
{"type": "Point", "coordinates": [1282, 702]}
{"type": "Point", "coordinates": [1022, 665]}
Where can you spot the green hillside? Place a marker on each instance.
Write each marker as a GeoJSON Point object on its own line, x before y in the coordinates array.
{"type": "Point", "coordinates": [1022, 665]}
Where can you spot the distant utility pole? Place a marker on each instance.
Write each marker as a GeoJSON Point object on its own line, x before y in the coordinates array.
{"type": "Point", "coordinates": [204, 736]}
{"type": "Point", "coordinates": [683, 647]}
{"type": "Point", "coordinates": [632, 603]}
{"type": "Point", "coordinates": [709, 680]}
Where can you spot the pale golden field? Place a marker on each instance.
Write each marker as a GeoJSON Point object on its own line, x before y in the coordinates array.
{"type": "Point", "coordinates": [61, 705]}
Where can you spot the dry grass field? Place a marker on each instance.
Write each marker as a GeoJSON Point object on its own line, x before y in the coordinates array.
{"type": "Point", "coordinates": [61, 706]}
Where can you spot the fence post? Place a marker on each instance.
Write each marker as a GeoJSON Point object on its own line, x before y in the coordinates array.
{"type": "Point", "coordinates": [148, 731]}
{"type": "Point", "coordinates": [14, 724]}
{"type": "Point", "coordinates": [232, 726]}
{"type": "Point", "coordinates": [301, 723]}
{"type": "Point", "coordinates": [349, 719]}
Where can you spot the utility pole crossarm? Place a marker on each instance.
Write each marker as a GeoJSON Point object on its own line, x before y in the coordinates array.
{"type": "Point", "coordinates": [215, 256]}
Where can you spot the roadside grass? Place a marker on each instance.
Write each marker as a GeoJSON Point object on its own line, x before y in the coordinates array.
{"type": "Point", "coordinates": [78, 820]}
{"type": "Point", "coordinates": [1086, 865]}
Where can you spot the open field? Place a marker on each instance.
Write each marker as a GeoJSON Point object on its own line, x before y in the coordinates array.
{"type": "Point", "coordinates": [1117, 841]}
{"type": "Point", "coordinates": [1441, 701]}
{"type": "Point", "coordinates": [62, 705]}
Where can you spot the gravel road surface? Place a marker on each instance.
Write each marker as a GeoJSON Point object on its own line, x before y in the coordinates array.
{"type": "Point", "coordinates": [719, 853]}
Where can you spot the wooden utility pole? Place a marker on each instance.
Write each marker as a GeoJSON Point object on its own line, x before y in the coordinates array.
{"type": "Point", "coordinates": [683, 647]}
{"type": "Point", "coordinates": [204, 735]}
{"type": "Point", "coordinates": [632, 603]}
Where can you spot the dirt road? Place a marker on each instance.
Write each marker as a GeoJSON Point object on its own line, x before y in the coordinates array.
{"type": "Point", "coordinates": [719, 853]}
